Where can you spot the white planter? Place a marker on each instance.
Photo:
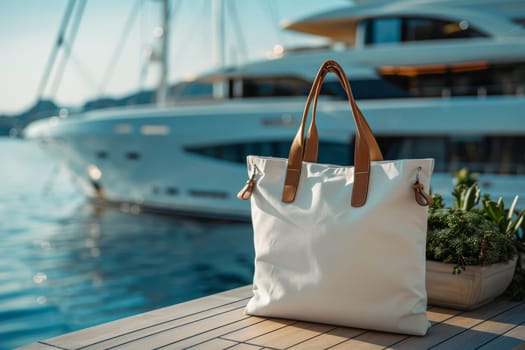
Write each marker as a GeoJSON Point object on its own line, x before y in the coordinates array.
{"type": "Point", "coordinates": [473, 287]}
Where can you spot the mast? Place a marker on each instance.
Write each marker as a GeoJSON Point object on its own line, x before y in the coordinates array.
{"type": "Point", "coordinates": [162, 89]}
{"type": "Point", "coordinates": [218, 41]}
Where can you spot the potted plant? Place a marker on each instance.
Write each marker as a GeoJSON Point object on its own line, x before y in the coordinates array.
{"type": "Point", "coordinates": [471, 253]}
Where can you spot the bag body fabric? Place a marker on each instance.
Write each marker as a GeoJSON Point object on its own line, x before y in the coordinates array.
{"type": "Point", "coordinates": [320, 256]}
{"type": "Point", "coordinates": [318, 259]}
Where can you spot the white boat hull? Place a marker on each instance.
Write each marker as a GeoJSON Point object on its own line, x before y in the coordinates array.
{"type": "Point", "coordinates": [142, 156]}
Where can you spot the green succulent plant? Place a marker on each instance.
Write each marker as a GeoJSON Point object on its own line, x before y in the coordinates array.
{"type": "Point", "coordinates": [466, 197]}
{"type": "Point", "coordinates": [509, 221]}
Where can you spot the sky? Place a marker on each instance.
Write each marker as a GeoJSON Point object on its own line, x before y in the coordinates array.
{"type": "Point", "coordinates": [29, 30]}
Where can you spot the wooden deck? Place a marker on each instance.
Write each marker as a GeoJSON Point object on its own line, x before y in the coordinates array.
{"type": "Point", "coordinates": [218, 322]}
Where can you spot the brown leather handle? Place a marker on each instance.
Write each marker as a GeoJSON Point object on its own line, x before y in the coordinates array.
{"type": "Point", "coordinates": [312, 138]}
{"type": "Point", "coordinates": [366, 148]}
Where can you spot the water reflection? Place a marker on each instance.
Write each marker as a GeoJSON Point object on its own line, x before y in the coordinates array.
{"type": "Point", "coordinates": [66, 265]}
{"type": "Point", "coordinates": [107, 264]}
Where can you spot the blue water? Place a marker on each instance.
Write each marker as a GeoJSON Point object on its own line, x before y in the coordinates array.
{"type": "Point", "coordinates": [66, 265]}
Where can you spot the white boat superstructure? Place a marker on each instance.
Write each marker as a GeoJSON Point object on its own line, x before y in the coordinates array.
{"type": "Point", "coordinates": [433, 78]}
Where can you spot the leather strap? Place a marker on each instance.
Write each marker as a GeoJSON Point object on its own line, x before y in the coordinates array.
{"type": "Point", "coordinates": [366, 147]}
{"type": "Point", "coordinates": [312, 139]}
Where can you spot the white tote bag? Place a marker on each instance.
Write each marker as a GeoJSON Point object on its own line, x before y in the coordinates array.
{"type": "Point", "coordinates": [342, 245]}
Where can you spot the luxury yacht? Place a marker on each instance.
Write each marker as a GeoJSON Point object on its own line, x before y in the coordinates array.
{"type": "Point", "coordinates": [442, 79]}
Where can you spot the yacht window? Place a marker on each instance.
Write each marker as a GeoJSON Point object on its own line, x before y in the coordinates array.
{"type": "Point", "coordinates": [279, 86]}
{"type": "Point", "coordinates": [415, 29]}
{"type": "Point", "coordinates": [329, 152]}
{"type": "Point", "coordinates": [172, 191]}
{"type": "Point", "coordinates": [462, 79]}
{"type": "Point", "coordinates": [519, 21]}
{"type": "Point", "coordinates": [133, 155]}
{"type": "Point", "coordinates": [102, 154]}
{"type": "Point", "coordinates": [491, 154]}
{"type": "Point", "coordinates": [383, 30]}
{"type": "Point", "coordinates": [406, 29]}
{"type": "Point", "coordinates": [274, 87]}
{"type": "Point", "coordinates": [483, 154]}
{"type": "Point", "coordinates": [366, 89]}
{"type": "Point", "coordinates": [193, 89]}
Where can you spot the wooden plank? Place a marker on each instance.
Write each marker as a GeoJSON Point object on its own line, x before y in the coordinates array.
{"type": "Point", "coordinates": [219, 343]}
{"type": "Point", "coordinates": [190, 330]}
{"type": "Point", "coordinates": [264, 327]}
{"type": "Point", "coordinates": [487, 330]}
{"type": "Point", "coordinates": [371, 340]}
{"type": "Point", "coordinates": [455, 325]}
{"type": "Point", "coordinates": [214, 344]}
{"type": "Point", "coordinates": [329, 339]}
{"type": "Point", "coordinates": [197, 339]}
{"type": "Point", "coordinates": [291, 335]}
{"type": "Point", "coordinates": [218, 321]}
{"type": "Point", "coordinates": [438, 315]}
{"type": "Point", "coordinates": [361, 339]}
{"type": "Point", "coordinates": [245, 347]}
{"type": "Point", "coordinates": [100, 333]}
{"type": "Point", "coordinates": [512, 339]}
{"type": "Point", "coordinates": [185, 327]}
{"type": "Point", "coordinates": [126, 337]}
{"type": "Point", "coordinates": [40, 346]}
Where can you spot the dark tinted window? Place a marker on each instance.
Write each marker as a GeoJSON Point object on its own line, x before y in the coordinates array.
{"type": "Point", "coordinates": [483, 154]}
{"type": "Point", "coordinates": [285, 86]}
{"type": "Point", "coordinates": [329, 152]}
{"type": "Point", "coordinates": [274, 87]}
{"type": "Point", "coordinates": [520, 21]}
{"type": "Point", "coordinates": [392, 30]}
{"type": "Point", "coordinates": [462, 79]}
{"type": "Point", "coordinates": [440, 80]}
{"type": "Point", "coordinates": [368, 89]}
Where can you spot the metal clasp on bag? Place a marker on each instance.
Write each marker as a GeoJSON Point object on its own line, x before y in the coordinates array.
{"type": "Point", "coordinates": [422, 198]}
{"type": "Point", "coordinates": [246, 192]}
